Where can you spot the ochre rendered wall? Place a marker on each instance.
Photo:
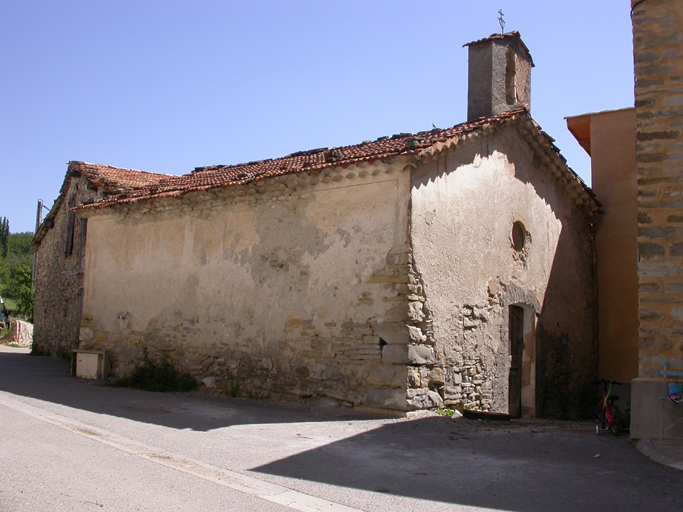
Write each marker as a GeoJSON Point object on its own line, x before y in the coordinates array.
{"type": "Point", "coordinates": [614, 181]}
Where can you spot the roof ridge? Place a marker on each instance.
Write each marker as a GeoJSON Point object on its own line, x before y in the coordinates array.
{"type": "Point", "coordinates": [403, 135]}
{"type": "Point", "coordinates": [316, 159]}
{"type": "Point", "coordinates": [80, 162]}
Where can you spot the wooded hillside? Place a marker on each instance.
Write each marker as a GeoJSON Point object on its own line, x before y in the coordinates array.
{"type": "Point", "coordinates": [16, 262]}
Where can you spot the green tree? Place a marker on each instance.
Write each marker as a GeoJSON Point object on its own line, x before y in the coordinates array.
{"type": "Point", "coordinates": [19, 243]}
{"type": "Point", "coordinates": [17, 254]}
{"type": "Point", "coordinates": [18, 249]}
{"type": "Point", "coordinates": [4, 237]}
{"type": "Point", "coordinates": [18, 287]}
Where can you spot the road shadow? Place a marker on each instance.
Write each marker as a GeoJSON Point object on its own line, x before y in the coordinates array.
{"type": "Point", "coordinates": [525, 466]}
{"type": "Point", "coordinates": [513, 466]}
{"type": "Point", "coordinates": [49, 379]}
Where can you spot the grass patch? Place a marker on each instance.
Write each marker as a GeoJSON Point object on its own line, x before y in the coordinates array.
{"type": "Point", "coordinates": [162, 376]}
{"type": "Point", "coordinates": [448, 413]}
{"type": "Point", "coordinates": [230, 387]}
{"type": "Point", "coordinates": [10, 304]}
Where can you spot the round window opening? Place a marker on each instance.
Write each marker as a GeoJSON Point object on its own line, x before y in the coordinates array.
{"type": "Point", "coordinates": [518, 236]}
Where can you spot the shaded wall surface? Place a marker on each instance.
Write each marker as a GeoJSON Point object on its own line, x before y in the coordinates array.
{"type": "Point", "coordinates": [465, 205]}
{"type": "Point", "coordinates": [614, 181]}
{"type": "Point", "coordinates": [59, 276]}
{"type": "Point", "coordinates": [272, 293]}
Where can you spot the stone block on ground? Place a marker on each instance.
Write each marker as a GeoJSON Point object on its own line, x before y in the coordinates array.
{"type": "Point", "coordinates": [209, 382]}
{"type": "Point", "coordinates": [423, 399]}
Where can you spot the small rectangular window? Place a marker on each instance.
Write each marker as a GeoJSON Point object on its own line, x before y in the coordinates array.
{"type": "Point", "coordinates": [81, 243]}
{"type": "Point", "coordinates": [71, 220]}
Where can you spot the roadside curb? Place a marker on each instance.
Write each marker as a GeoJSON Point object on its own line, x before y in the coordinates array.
{"type": "Point", "coordinates": [667, 453]}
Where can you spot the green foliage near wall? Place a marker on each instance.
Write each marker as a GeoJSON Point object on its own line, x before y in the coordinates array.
{"type": "Point", "coordinates": [161, 376]}
{"type": "Point", "coordinates": [4, 237]}
{"type": "Point", "coordinates": [19, 288]}
{"type": "Point", "coordinates": [16, 262]}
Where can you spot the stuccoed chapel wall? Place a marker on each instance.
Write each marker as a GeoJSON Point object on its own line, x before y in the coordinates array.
{"type": "Point", "coordinates": [58, 278]}
{"type": "Point", "coordinates": [464, 205]}
{"type": "Point", "coordinates": [273, 289]}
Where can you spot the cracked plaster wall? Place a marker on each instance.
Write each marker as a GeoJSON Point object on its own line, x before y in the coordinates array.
{"type": "Point", "coordinates": [275, 291]}
{"type": "Point", "coordinates": [464, 205]}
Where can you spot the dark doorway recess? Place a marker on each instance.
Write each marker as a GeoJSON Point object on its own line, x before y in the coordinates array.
{"type": "Point", "coordinates": [516, 330]}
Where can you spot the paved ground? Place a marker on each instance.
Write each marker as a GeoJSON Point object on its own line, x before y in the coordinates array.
{"type": "Point", "coordinates": [69, 444]}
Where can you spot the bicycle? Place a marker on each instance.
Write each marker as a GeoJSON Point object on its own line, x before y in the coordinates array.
{"type": "Point", "coordinates": [609, 415]}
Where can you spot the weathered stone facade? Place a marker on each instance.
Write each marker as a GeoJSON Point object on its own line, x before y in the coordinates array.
{"type": "Point", "coordinates": [451, 267]}
{"type": "Point", "coordinates": [658, 55]}
{"type": "Point", "coordinates": [275, 288]}
{"type": "Point", "coordinates": [385, 285]}
{"type": "Point", "coordinates": [465, 205]}
{"type": "Point", "coordinates": [499, 75]}
{"type": "Point", "coordinates": [59, 272]}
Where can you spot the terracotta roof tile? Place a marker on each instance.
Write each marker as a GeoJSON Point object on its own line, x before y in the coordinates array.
{"type": "Point", "coordinates": [133, 187]}
{"type": "Point", "coordinates": [229, 175]}
{"type": "Point", "coordinates": [112, 179]}
{"type": "Point", "coordinates": [514, 35]}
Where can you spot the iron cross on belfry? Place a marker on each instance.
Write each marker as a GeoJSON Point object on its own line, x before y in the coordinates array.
{"type": "Point", "coordinates": [501, 21]}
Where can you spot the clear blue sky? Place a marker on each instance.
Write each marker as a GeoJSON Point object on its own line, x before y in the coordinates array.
{"type": "Point", "coordinates": [169, 85]}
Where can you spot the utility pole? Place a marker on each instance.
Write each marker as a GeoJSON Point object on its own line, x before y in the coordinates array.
{"type": "Point", "coordinates": [39, 220]}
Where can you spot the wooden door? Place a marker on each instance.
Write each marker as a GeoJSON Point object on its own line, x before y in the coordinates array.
{"type": "Point", "coordinates": [516, 343]}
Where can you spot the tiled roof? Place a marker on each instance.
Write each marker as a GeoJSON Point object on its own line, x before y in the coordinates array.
{"type": "Point", "coordinates": [402, 144]}
{"type": "Point", "coordinates": [111, 179]}
{"type": "Point", "coordinates": [513, 35]}
{"type": "Point", "coordinates": [229, 175]}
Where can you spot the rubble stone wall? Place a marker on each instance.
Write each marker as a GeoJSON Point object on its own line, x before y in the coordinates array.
{"type": "Point", "coordinates": [59, 277]}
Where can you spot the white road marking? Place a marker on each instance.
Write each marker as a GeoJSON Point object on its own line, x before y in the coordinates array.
{"type": "Point", "coordinates": [237, 481]}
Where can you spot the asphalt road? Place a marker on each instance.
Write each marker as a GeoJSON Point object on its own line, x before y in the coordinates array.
{"type": "Point", "coordinates": [70, 444]}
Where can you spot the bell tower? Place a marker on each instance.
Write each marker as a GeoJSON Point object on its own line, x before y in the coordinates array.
{"type": "Point", "coordinates": [499, 75]}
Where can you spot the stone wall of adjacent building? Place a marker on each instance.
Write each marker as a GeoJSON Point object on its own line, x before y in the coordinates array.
{"type": "Point", "coordinates": [294, 287]}
{"type": "Point", "coordinates": [59, 275]}
{"type": "Point", "coordinates": [658, 56]}
{"type": "Point", "coordinates": [465, 204]}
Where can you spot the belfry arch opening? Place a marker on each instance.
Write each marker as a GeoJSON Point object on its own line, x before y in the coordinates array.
{"type": "Point", "coordinates": [510, 77]}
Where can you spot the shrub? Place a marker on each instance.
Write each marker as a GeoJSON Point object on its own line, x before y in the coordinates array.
{"type": "Point", "coordinates": [162, 376]}
{"type": "Point", "coordinates": [38, 351]}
